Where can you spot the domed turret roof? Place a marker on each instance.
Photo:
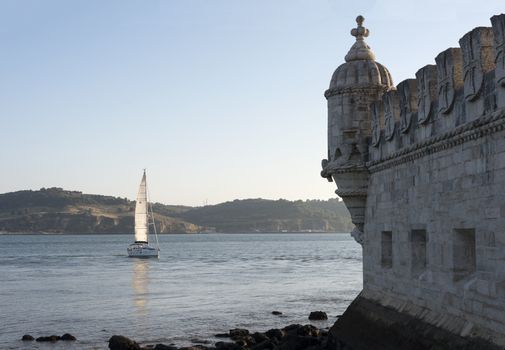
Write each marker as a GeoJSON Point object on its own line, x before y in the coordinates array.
{"type": "Point", "coordinates": [360, 69]}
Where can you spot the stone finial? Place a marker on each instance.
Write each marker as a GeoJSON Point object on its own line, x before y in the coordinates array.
{"type": "Point", "coordinates": [360, 50]}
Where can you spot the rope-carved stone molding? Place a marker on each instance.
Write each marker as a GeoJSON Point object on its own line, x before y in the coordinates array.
{"type": "Point", "coordinates": [354, 90]}
{"type": "Point", "coordinates": [351, 193]}
{"type": "Point", "coordinates": [331, 169]}
{"type": "Point", "coordinates": [485, 125]}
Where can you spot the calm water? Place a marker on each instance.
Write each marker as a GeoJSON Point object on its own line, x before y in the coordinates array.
{"type": "Point", "coordinates": [201, 285]}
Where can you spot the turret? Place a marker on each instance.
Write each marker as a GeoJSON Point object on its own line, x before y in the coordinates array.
{"type": "Point", "coordinates": [353, 87]}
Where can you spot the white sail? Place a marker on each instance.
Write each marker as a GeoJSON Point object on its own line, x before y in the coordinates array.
{"type": "Point", "coordinates": [141, 223]}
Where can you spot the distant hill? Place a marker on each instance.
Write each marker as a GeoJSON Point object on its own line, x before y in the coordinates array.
{"type": "Point", "coordinates": [261, 215]}
{"type": "Point", "coordinates": [55, 210]}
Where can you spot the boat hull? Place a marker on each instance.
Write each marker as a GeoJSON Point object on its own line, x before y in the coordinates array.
{"type": "Point", "coordinates": [142, 250]}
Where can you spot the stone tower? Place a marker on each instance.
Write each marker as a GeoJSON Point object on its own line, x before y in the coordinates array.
{"type": "Point", "coordinates": [353, 87]}
{"type": "Point", "coordinates": [421, 168]}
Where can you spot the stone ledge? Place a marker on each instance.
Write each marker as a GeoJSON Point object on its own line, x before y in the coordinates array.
{"type": "Point", "coordinates": [367, 325]}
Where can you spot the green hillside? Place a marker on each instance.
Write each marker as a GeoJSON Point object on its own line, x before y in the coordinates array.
{"type": "Point", "coordinates": [55, 210]}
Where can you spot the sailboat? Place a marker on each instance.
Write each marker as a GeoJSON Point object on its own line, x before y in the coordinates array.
{"type": "Point", "coordinates": [144, 218]}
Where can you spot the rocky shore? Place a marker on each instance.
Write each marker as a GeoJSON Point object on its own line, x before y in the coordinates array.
{"type": "Point", "coordinates": [292, 337]}
{"type": "Point", "coordinates": [365, 325]}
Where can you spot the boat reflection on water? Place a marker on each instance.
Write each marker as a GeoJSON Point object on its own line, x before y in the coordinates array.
{"type": "Point", "coordinates": [140, 284]}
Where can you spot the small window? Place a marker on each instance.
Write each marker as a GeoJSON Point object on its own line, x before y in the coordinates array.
{"type": "Point", "coordinates": [387, 249]}
{"type": "Point", "coordinates": [418, 248]}
{"type": "Point", "coordinates": [463, 253]}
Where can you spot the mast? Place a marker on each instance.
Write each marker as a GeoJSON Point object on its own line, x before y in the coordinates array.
{"type": "Point", "coordinates": [153, 222]}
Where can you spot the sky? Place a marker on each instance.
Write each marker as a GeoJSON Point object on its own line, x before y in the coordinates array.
{"type": "Point", "coordinates": [218, 99]}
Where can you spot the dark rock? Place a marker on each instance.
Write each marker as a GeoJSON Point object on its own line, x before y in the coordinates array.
{"type": "Point", "coordinates": [292, 328]}
{"type": "Point", "coordinates": [246, 341]}
{"type": "Point", "coordinates": [119, 342]}
{"type": "Point", "coordinates": [274, 334]}
{"type": "Point", "coordinates": [238, 332]}
{"type": "Point", "coordinates": [276, 313]}
{"type": "Point", "coordinates": [68, 336]}
{"type": "Point", "coordinates": [222, 335]}
{"type": "Point", "coordinates": [259, 337]}
{"type": "Point", "coordinates": [318, 316]}
{"type": "Point", "coordinates": [164, 347]}
{"type": "Point", "coordinates": [51, 338]}
{"type": "Point", "coordinates": [264, 345]}
{"type": "Point", "coordinates": [296, 342]}
{"type": "Point", "coordinates": [199, 341]}
{"type": "Point", "coordinates": [221, 345]}
{"type": "Point", "coordinates": [27, 337]}
{"type": "Point", "coordinates": [194, 347]}
{"type": "Point", "coordinates": [308, 330]}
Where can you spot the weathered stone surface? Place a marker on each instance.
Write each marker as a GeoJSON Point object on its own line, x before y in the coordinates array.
{"type": "Point", "coordinates": [27, 337]}
{"type": "Point", "coordinates": [119, 342]}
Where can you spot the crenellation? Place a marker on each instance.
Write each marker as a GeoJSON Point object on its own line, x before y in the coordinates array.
{"type": "Point", "coordinates": [407, 93]}
{"type": "Point", "coordinates": [498, 23]}
{"type": "Point", "coordinates": [391, 104]}
{"type": "Point", "coordinates": [478, 60]}
{"type": "Point", "coordinates": [450, 78]}
{"type": "Point", "coordinates": [426, 93]}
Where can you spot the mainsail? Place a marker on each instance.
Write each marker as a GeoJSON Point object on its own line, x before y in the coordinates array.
{"type": "Point", "coordinates": [141, 223]}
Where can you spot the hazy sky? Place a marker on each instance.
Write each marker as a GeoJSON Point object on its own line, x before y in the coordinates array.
{"type": "Point", "coordinates": [218, 99]}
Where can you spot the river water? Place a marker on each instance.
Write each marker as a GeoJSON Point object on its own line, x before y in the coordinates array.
{"type": "Point", "coordinates": [201, 285]}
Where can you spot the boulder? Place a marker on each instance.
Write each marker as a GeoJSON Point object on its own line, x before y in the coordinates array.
{"type": "Point", "coordinates": [51, 338]}
{"type": "Point", "coordinates": [259, 337]}
{"type": "Point", "coordinates": [308, 330]}
{"type": "Point", "coordinates": [194, 347]}
{"type": "Point", "coordinates": [296, 342]}
{"type": "Point", "coordinates": [220, 345]}
{"type": "Point", "coordinates": [238, 332]}
{"type": "Point", "coordinates": [27, 337]}
{"type": "Point", "coordinates": [119, 342]}
{"type": "Point", "coordinates": [164, 347]}
{"type": "Point", "coordinates": [264, 345]}
{"type": "Point", "coordinates": [274, 334]}
{"type": "Point", "coordinates": [68, 336]}
{"type": "Point", "coordinates": [318, 316]}
{"type": "Point", "coordinates": [292, 329]}
{"type": "Point", "coordinates": [277, 313]}
{"type": "Point", "coordinates": [222, 335]}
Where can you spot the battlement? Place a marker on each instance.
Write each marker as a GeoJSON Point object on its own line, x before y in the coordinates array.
{"type": "Point", "coordinates": [462, 96]}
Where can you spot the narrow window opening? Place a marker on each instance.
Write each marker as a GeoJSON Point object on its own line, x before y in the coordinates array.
{"type": "Point", "coordinates": [463, 253]}
{"type": "Point", "coordinates": [418, 246]}
{"type": "Point", "coordinates": [387, 249]}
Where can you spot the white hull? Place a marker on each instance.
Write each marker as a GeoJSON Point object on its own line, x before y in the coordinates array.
{"type": "Point", "coordinates": [142, 250]}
